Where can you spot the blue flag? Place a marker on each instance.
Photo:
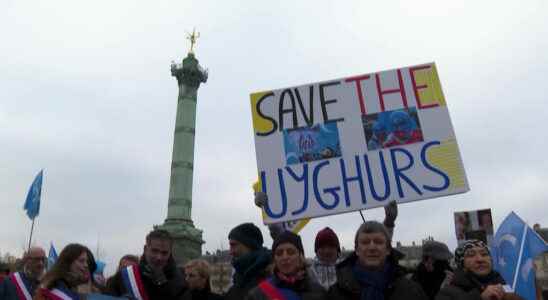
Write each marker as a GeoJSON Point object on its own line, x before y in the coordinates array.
{"type": "Point", "coordinates": [532, 247]}
{"type": "Point", "coordinates": [52, 256]}
{"type": "Point", "coordinates": [32, 203]}
{"type": "Point", "coordinates": [100, 267]}
{"type": "Point", "coordinates": [514, 249]}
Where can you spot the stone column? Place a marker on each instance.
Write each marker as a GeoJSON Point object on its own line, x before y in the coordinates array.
{"type": "Point", "coordinates": [179, 223]}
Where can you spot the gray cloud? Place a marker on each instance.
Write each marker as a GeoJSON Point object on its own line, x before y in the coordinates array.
{"type": "Point", "coordinates": [87, 94]}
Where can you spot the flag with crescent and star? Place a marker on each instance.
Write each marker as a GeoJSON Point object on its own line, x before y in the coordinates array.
{"type": "Point", "coordinates": [514, 249]}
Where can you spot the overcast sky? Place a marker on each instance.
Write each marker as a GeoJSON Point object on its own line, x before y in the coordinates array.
{"type": "Point", "coordinates": [86, 93]}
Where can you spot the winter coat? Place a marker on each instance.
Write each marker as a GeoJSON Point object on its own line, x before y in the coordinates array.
{"type": "Point", "coordinates": [466, 286]}
{"type": "Point", "coordinates": [399, 287]}
{"type": "Point", "coordinates": [172, 289]}
{"type": "Point", "coordinates": [306, 289]}
{"type": "Point", "coordinates": [431, 281]}
{"type": "Point", "coordinates": [59, 284]}
{"type": "Point", "coordinates": [204, 294]}
{"type": "Point", "coordinates": [8, 290]}
{"type": "Point", "coordinates": [249, 271]}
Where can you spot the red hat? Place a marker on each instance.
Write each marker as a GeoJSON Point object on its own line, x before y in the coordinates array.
{"type": "Point", "coordinates": [325, 237]}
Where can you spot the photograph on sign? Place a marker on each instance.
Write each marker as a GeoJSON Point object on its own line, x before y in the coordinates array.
{"type": "Point", "coordinates": [392, 128]}
{"type": "Point", "coordinates": [311, 143]}
{"type": "Point", "coordinates": [477, 224]}
{"type": "Point", "coordinates": [355, 143]}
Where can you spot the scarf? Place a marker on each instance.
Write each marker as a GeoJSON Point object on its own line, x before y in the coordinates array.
{"type": "Point", "coordinates": [325, 274]}
{"type": "Point", "coordinates": [250, 267]}
{"type": "Point", "coordinates": [373, 283]}
{"type": "Point", "coordinates": [291, 279]}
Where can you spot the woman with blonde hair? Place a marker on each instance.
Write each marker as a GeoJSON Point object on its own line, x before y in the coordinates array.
{"type": "Point", "coordinates": [197, 273]}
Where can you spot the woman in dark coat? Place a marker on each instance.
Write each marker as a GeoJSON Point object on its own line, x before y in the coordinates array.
{"type": "Point", "coordinates": [290, 279]}
{"type": "Point", "coordinates": [474, 278]}
{"type": "Point", "coordinates": [197, 278]}
{"type": "Point", "coordinates": [372, 272]}
{"type": "Point", "coordinates": [71, 269]}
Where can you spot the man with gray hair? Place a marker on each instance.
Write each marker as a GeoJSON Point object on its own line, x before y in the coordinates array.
{"type": "Point", "coordinates": [22, 285]}
{"type": "Point", "coordinates": [372, 272]}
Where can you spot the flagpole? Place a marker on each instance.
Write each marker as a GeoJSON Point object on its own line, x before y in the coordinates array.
{"type": "Point", "coordinates": [516, 273]}
{"type": "Point", "coordinates": [31, 230]}
{"type": "Point", "coordinates": [362, 216]}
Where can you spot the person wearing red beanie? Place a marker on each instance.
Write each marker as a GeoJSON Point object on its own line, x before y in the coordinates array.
{"type": "Point", "coordinates": [328, 251]}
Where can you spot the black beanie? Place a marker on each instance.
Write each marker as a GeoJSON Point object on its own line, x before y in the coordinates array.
{"type": "Point", "coordinates": [288, 237]}
{"type": "Point", "coordinates": [247, 234]}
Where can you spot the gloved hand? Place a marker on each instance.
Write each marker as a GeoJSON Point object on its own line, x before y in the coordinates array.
{"type": "Point", "coordinates": [276, 228]}
{"type": "Point", "coordinates": [260, 199]}
{"type": "Point", "coordinates": [390, 214]}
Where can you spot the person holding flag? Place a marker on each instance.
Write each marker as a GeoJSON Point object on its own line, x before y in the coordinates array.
{"type": "Point", "coordinates": [474, 278]}
{"type": "Point", "coordinates": [23, 285]}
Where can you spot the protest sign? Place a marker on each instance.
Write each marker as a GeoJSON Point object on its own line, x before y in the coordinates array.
{"type": "Point", "coordinates": [355, 143]}
{"type": "Point", "coordinates": [476, 224]}
{"type": "Point", "coordinates": [294, 226]}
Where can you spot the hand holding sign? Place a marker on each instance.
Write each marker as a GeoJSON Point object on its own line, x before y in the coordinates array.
{"type": "Point", "coordinates": [354, 143]}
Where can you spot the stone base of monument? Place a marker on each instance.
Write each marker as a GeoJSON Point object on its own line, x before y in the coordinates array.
{"type": "Point", "coordinates": [188, 239]}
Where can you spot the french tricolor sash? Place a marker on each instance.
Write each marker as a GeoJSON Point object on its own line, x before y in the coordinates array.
{"type": "Point", "coordinates": [133, 282]}
{"type": "Point", "coordinates": [60, 293]}
{"type": "Point", "coordinates": [20, 286]}
{"type": "Point", "coordinates": [275, 293]}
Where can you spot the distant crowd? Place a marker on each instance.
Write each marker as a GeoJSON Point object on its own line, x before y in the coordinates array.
{"type": "Point", "coordinates": [370, 272]}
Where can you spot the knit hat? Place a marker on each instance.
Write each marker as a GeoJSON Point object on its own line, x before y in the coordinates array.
{"type": "Point", "coordinates": [247, 234]}
{"type": "Point", "coordinates": [461, 250]}
{"type": "Point", "coordinates": [326, 237]}
{"type": "Point", "coordinates": [436, 250]}
{"type": "Point", "coordinates": [288, 237]}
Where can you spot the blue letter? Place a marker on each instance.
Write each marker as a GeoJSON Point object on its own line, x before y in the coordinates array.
{"type": "Point", "coordinates": [384, 175]}
{"type": "Point", "coordinates": [346, 180]}
{"type": "Point", "coordinates": [431, 168]}
{"type": "Point", "coordinates": [304, 178]}
{"type": "Point", "coordinates": [332, 190]}
{"type": "Point", "coordinates": [284, 196]}
{"type": "Point", "coordinates": [398, 172]}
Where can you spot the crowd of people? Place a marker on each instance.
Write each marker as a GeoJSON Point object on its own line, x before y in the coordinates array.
{"type": "Point", "coordinates": [370, 272]}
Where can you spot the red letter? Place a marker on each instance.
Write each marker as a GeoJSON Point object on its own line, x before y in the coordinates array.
{"type": "Point", "coordinates": [361, 98]}
{"type": "Point", "coordinates": [400, 90]}
{"type": "Point", "coordinates": [416, 87]}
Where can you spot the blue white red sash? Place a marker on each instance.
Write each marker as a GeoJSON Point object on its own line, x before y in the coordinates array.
{"type": "Point", "coordinates": [60, 293]}
{"type": "Point", "coordinates": [276, 293]}
{"type": "Point", "coordinates": [133, 282]}
{"type": "Point", "coordinates": [20, 286]}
